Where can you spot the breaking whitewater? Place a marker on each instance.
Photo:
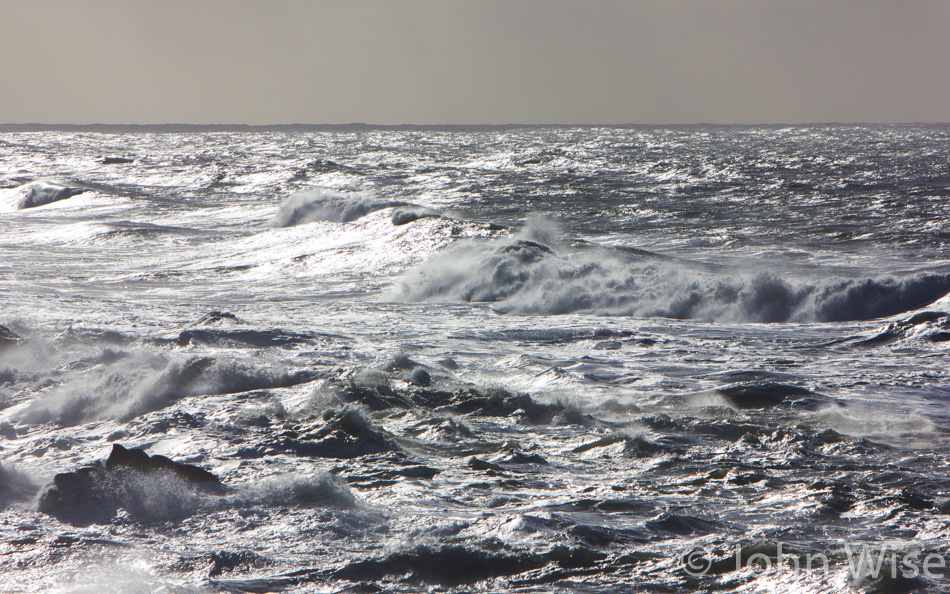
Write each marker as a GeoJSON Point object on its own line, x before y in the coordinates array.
{"type": "Point", "coordinates": [524, 360]}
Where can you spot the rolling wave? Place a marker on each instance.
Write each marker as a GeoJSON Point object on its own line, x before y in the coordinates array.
{"type": "Point", "coordinates": [522, 276]}
{"type": "Point", "coordinates": [38, 193]}
{"type": "Point", "coordinates": [324, 204]}
{"type": "Point", "coordinates": [134, 385]}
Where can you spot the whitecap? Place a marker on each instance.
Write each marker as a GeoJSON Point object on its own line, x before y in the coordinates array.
{"type": "Point", "coordinates": [38, 193]}
{"type": "Point", "coordinates": [325, 204]}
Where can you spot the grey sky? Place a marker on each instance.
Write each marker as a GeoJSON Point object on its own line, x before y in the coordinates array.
{"type": "Point", "coordinates": [480, 61]}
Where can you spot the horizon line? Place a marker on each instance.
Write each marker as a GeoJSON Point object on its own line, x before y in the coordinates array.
{"type": "Point", "coordinates": [361, 126]}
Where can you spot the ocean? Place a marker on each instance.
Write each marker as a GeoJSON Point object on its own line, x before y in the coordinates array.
{"type": "Point", "coordinates": [509, 359]}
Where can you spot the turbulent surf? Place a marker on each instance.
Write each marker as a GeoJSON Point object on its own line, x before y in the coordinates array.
{"type": "Point", "coordinates": [516, 359]}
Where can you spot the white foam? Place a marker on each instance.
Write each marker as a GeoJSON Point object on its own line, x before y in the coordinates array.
{"type": "Point", "coordinates": [35, 194]}
{"type": "Point", "coordinates": [325, 204]}
{"type": "Point", "coordinates": [15, 485]}
{"type": "Point", "coordinates": [147, 382]}
{"type": "Point", "coordinates": [316, 490]}
{"type": "Point", "coordinates": [523, 276]}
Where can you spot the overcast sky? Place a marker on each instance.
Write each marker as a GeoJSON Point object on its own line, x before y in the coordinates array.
{"type": "Point", "coordinates": [474, 62]}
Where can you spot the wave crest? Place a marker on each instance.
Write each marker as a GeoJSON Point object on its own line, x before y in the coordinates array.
{"type": "Point", "coordinates": [324, 204]}
{"type": "Point", "coordinates": [522, 276]}
{"type": "Point", "coordinates": [37, 193]}
{"type": "Point", "coordinates": [142, 384]}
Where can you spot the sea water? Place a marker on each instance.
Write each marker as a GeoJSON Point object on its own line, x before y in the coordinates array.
{"type": "Point", "coordinates": [516, 359]}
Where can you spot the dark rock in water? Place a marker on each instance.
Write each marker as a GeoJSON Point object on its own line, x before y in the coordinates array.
{"type": "Point", "coordinates": [484, 466]}
{"type": "Point", "coordinates": [530, 161]}
{"type": "Point", "coordinates": [222, 328]}
{"type": "Point", "coordinates": [328, 166]}
{"type": "Point", "coordinates": [383, 470]}
{"type": "Point", "coordinates": [209, 330]}
{"type": "Point", "coordinates": [98, 490]}
{"type": "Point", "coordinates": [217, 317]}
{"type": "Point", "coordinates": [451, 565]}
{"type": "Point", "coordinates": [518, 457]}
{"type": "Point", "coordinates": [139, 461]}
{"type": "Point", "coordinates": [420, 377]}
{"type": "Point", "coordinates": [226, 561]}
{"type": "Point", "coordinates": [760, 395]}
{"type": "Point", "coordinates": [114, 160]}
{"type": "Point", "coordinates": [238, 338]}
{"type": "Point", "coordinates": [8, 338]}
{"type": "Point", "coordinates": [527, 251]}
{"type": "Point", "coordinates": [344, 434]}
{"type": "Point", "coordinates": [72, 489]}
{"type": "Point", "coordinates": [503, 404]}
{"type": "Point", "coordinates": [374, 397]}
{"type": "Point", "coordinates": [401, 362]}
{"type": "Point", "coordinates": [633, 446]}
{"type": "Point", "coordinates": [449, 363]}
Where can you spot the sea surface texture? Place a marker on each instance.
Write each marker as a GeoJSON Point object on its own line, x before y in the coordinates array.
{"type": "Point", "coordinates": [498, 360]}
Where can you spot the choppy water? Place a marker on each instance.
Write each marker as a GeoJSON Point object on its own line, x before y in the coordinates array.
{"type": "Point", "coordinates": [578, 360]}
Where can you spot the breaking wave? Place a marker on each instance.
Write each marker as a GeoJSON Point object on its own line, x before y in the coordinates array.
{"type": "Point", "coordinates": [523, 276]}
{"type": "Point", "coordinates": [324, 204]}
{"type": "Point", "coordinates": [317, 490]}
{"type": "Point", "coordinates": [35, 194]}
{"type": "Point", "coordinates": [163, 495]}
{"type": "Point", "coordinates": [138, 385]}
{"type": "Point", "coordinates": [15, 485]}
{"type": "Point", "coordinates": [95, 495]}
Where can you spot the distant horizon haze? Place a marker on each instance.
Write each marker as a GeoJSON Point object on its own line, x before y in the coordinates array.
{"type": "Point", "coordinates": [356, 126]}
{"type": "Point", "coordinates": [464, 62]}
